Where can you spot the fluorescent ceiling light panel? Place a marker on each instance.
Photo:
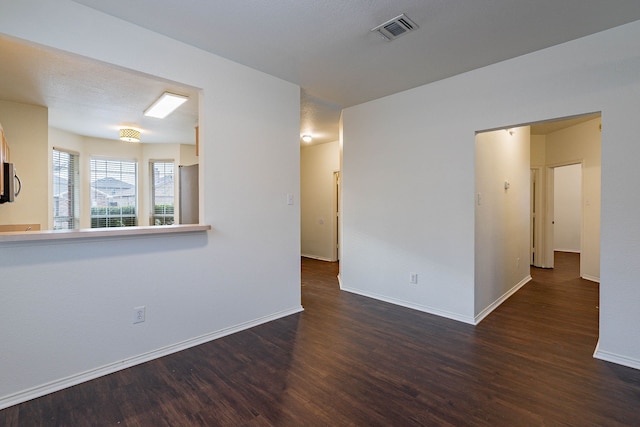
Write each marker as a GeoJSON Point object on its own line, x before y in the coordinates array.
{"type": "Point", "coordinates": [165, 105]}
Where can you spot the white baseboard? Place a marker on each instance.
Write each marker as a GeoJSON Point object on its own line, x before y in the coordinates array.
{"type": "Point", "coordinates": [591, 278]}
{"type": "Point", "coordinates": [616, 358]}
{"type": "Point", "coordinates": [62, 383]}
{"type": "Point", "coordinates": [413, 306]}
{"type": "Point", "coordinates": [449, 315]}
{"type": "Point", "coordinates": [319, 258]}
{"type": "Point", "coordinates": [484, 313]}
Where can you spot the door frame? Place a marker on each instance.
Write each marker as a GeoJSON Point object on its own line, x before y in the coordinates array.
{"type": "Point", "coordinates": [537, 216]}
{"type": "Point", "coordinates": [336, 216]}
{"type": "Point", "coordinates": [547, 258]}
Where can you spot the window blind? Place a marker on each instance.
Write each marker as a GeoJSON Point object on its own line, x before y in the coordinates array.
{"type": "Point", "coordinates": [66, 190]}
{"type": "Point", "coordinates": [162, 192]}
{"type": "Point", "coordinates": [114, 193]}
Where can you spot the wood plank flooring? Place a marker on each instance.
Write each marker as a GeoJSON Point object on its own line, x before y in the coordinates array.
{"type": "Point", "coordinates": [350, 360]}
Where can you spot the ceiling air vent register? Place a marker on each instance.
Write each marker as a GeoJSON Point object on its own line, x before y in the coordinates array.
{"type": "Point", "coordinates": [396, 27]}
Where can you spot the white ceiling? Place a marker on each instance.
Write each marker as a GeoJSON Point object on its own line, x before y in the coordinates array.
{"type": "Point", "coordinates": [91, 98]}
{"type": "Point", "coordinates": [326, 47]}
{"type": "Point", "coordinates": [551, 126]}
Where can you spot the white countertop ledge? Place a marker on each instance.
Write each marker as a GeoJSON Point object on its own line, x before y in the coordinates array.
{"type": "Point", "coordinates": [92, 233]}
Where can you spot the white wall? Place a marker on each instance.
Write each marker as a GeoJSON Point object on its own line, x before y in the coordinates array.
{"type": "Point", "coordinates": [502, 216]}
{"type": "Point", "coordinates": [25, 128]}
{"type": "Point", "coordinates": [66, 308]}
{"type": "Point", "coordinates": [318, 200]}
{"type": "Point", "coordinates": [408, 201]}
{"type": "Point", "coordinates": [567, 208]}
{"type": "Point", "coordinates": [408, 177]}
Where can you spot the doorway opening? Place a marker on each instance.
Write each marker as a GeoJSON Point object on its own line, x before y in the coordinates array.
{"type": "Point", "coordinates": [515, 170]}
{"type": "Point", "coordinates": [565, 217]}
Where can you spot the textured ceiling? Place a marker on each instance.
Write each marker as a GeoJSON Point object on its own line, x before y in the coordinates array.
{"type": "Point", "coordinates": [326, 47]}
{"type": "Point", "coordinates": [91, 98]}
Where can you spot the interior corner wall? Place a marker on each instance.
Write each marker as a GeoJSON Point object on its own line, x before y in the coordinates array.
{"type": "Point", "coordinates": [188, 155]}
{"type": "Point", "coordinates": [318, 200]}
{"type": "Point", "coordinates": [408, 177]}
{"type": "Point", "coordinates": [502, 239]}
{"type": "Point", "coordinates": [63, 322]}
{"type": "Point", "coordinates": [26, 131]}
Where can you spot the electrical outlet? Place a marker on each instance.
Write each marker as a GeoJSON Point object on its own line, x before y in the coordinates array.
{"type": "Point", "coordinates": [413, 278]}
{"type": "Point", "coordinates": [138, 314]}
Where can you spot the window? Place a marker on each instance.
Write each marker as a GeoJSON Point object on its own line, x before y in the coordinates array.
{"type": "Point", "coordinates": [66, 194]}
{"type": "Point", "coordinates": [113, 193]}
{"type": "Point", "coordinates": [162, 192]}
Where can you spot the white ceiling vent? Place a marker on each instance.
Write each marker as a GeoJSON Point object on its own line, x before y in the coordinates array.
{"type": "Point", "coordinates": [396, 27]}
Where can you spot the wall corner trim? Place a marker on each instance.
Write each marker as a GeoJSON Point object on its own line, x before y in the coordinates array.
{"type": "Point", "coordinates": [591, 278]}
{"type": "Point", "coordinates": [616, 358]}
{"type": "Point", "coordinates": [484, 313]}
{"type": "Point", "coordinates": [406, 304]}
{"type": "Point", "coordinates": [319, 258]}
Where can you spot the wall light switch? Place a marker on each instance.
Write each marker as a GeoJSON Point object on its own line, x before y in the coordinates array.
{"type": "Point", "coordinates": [289, 198]}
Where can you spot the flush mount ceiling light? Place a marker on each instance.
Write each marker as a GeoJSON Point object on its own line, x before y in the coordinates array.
{"type": "Point", "coordinates": [129, 135]}
{"type": "Point", "coordinates": [307, 138]}
{"type": "Point", "coordinates": [165, 105]}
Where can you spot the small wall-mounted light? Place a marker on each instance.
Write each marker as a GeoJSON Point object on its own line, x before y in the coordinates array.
{"type": "Point", "coordinates": [129, 135]}
{"type": "Point", "coordinates": [307, 138]}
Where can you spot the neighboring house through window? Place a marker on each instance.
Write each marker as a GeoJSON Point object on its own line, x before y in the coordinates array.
{"type": "Point", "coordinates": [113, 193]}
{"type": "Point", "coordinates": [66, 190]}
{"type": "Point", "coordinates": [162, 192]}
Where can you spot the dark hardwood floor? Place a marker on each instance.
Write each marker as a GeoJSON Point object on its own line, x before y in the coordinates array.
{"type": "Point", "coordinates": [350, 360]}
